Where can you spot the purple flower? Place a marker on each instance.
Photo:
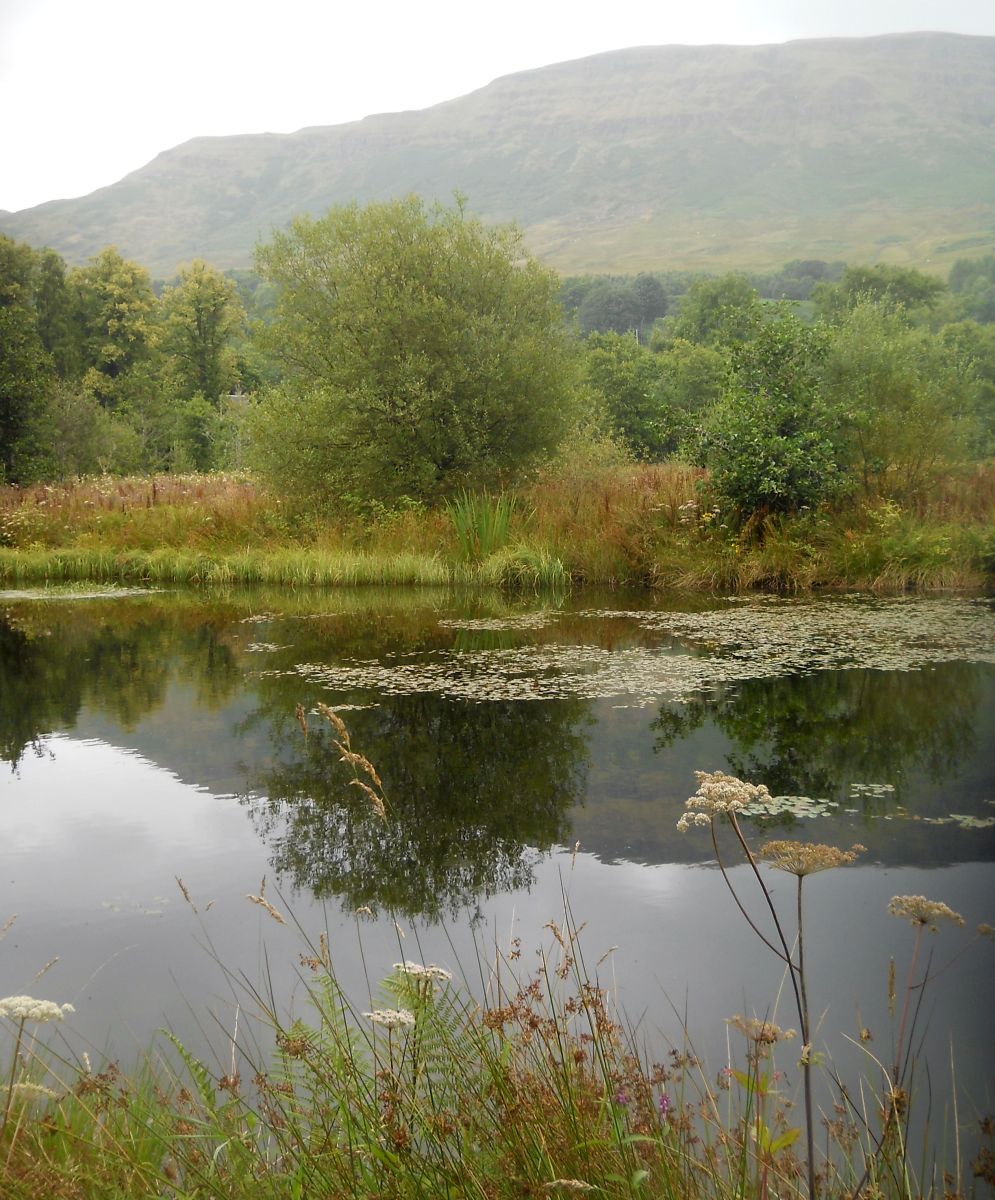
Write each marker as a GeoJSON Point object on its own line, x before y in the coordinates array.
{"type": "Point", "coordinates": [663, 1104]}
{"type": "Point", "coordinates": [621, 1098]}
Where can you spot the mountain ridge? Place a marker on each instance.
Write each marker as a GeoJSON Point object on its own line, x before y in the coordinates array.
{"type": "Point", "coordinates": [871, 149]}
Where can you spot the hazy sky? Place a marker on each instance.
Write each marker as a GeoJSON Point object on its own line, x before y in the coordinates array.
{"type": "Point", "coordinates": [92, 89]}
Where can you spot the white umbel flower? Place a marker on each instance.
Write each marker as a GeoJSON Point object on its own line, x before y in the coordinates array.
{"type": "Point", "coordinates": [391, 1018]}
{"type": "Point", "coordinates": [25, 1008]}
{"type": "Point", "coordinates": [719, 794]}
{"type": "Point", "coordinates": [431, 972]}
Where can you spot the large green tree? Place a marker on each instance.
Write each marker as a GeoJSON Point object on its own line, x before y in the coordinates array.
{"type": "Point", "coordinates": [421, 351]}
{"type": "Point", "coordinates": [628, 377]}
{"type": "Point", "coordinates": [610, 306]}
{"type": "Point", "coordinates": [200, 317]}
{"type": "Point", "coordinates": [115, 310]}
{"type": "Point", "coordinates": [719, 312]}
{"type": "Point", "coordinates": [894, 288]}
{"type": "Point", "coordinates": [25, 368]}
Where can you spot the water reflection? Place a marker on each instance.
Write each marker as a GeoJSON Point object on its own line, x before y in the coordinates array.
{"type": "Point", "coordinates": [117, 659]}
{"type": "Point", "coordinates": [474, 791]}
{"type": "Point", "coordinates": [816, 735]}
{"type": "Point", "coordinates": [207, 689]}
{"type": "Point", "coordinates": [214, 782]}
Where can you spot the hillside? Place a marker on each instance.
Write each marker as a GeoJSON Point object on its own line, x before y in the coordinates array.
{"type": "Point", "coordinates": [874, 149]}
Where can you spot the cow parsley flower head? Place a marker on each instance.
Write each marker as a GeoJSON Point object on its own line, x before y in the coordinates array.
{"type": "Point", "coordinates": [806, 858]}
{"type": "Point", "coordinates": [24, 1008]}
{"type": "Point", "coordinates": [921, 911]}
{"type": "Point", "coordinates": [719, 794]}
{"type": "Point", "coordinates": [432, 973]}
{"type": "Point", "coordinates": [391, 1018]}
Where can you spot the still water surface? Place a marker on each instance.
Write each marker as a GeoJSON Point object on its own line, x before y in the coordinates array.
{"type": "Point", "coordinates": [150, 736]}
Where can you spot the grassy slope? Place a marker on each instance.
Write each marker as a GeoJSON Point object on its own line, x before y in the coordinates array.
{"type": "Point", "coordinates": [876, 149]}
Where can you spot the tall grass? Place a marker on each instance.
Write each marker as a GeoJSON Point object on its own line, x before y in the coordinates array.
{"type": "Point", "coordinates": [580, 520]}
{"type": "Point", "coordinates": [481, 522]}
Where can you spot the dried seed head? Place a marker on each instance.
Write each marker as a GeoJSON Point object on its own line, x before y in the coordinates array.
{"type": "Point", "coordinates": [719, 794]}
{"type": "Point", "coordinates": [376, 800]}
{"type": "Point", "coordinates": [264, 903]}
{"type": "Point", "coordinates": [923, 912]}
{"type": "Point", "coordinates": [806, 858]}
{"type": "Point", "coordinates": [335, 721]}
{"type": "Point", "coordinates": [763, 1033]}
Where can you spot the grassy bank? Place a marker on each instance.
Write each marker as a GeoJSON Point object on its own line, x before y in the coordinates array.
{"type": "Point", "coordinates": [645, 524]}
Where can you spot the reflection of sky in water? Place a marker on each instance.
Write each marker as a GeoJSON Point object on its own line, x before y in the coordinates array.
{"type": "Point", "coordinates": [211, 777]}
{"type": "Point", "coordinates": [95, 836]}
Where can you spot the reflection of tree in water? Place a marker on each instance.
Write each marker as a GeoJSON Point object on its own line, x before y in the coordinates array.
{"type": "Point", "coordinates": [117, 658]}
{"type": "Point", "coordinates": [814, 735]}
{"type": "Point", "coordinates": [40, 690]}
{"type": "Point", "coordinates": [471, 788]}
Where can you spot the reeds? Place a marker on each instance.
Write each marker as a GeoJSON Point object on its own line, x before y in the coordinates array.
{"type": "Point", "coordinates": [481, 522]}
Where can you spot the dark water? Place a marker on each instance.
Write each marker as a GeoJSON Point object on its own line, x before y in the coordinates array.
{"type": "Point", "coordinates": [152, 736]}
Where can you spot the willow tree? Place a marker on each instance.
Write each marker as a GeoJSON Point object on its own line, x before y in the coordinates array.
{"type": "Point", "coordinates": [420, 351]}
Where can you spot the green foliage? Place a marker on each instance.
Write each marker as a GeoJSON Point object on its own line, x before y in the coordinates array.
{"type": "Point", "coordinates": [615, 305]}
{"type": "Point", "coordinates": [57, 326]}
{"type": "Point", "coordinates": [692, 379]}
{"type": "Point", "coordinates": [200, 316]}
{"type": "Point", "coordinates": [770, 441]}
{"type": "Point", "coordinates": [609, 307]}
{"type": "Point", "coordinates": [972, 282]}
{"type": "Point", "coordinates": [533, 568]}
{"type": "Point", "coordinates": [975, 345]}
{"type": "Point", "coordinates": [25, 368]}
{"type": "Point", "coordinates": [907, 400]}
{"type": "Point", "coordinates": [652, 297]}
{"type": "Point", "coordinates": [797, 279]}
{"type": "Point", "coordinates": [421, 350]}
{"type": "Point", "coordinates": [720, 311]}
{"type": "Point", "coordinates": [481, 522]}
{"type": "Point", "coordinates": [895, 288]}
{"type": "Point", "coordinates": [628, 378]}
{"type": "Point", "coordinates": [71, 435]}
{"type": "Point", "coordinates": [114, 312]}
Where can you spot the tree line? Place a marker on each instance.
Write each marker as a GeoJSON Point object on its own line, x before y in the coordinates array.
{"type": "Point", "coordinates": [400, 351]}
{"type": "Point", "coordinates": [102, 372]}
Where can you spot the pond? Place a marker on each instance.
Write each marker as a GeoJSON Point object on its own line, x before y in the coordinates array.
{"type": "Point", "coordinates": [532, 753]}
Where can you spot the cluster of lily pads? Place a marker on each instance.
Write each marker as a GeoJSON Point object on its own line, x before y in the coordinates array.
{"type": "Point", "coordinates": [795, 806]}
{"type": "Point", "coordinates": [703, 651]}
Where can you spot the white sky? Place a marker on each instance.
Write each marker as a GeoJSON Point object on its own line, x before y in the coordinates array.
{"type": "Point", "coordinates": [93, 89]}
